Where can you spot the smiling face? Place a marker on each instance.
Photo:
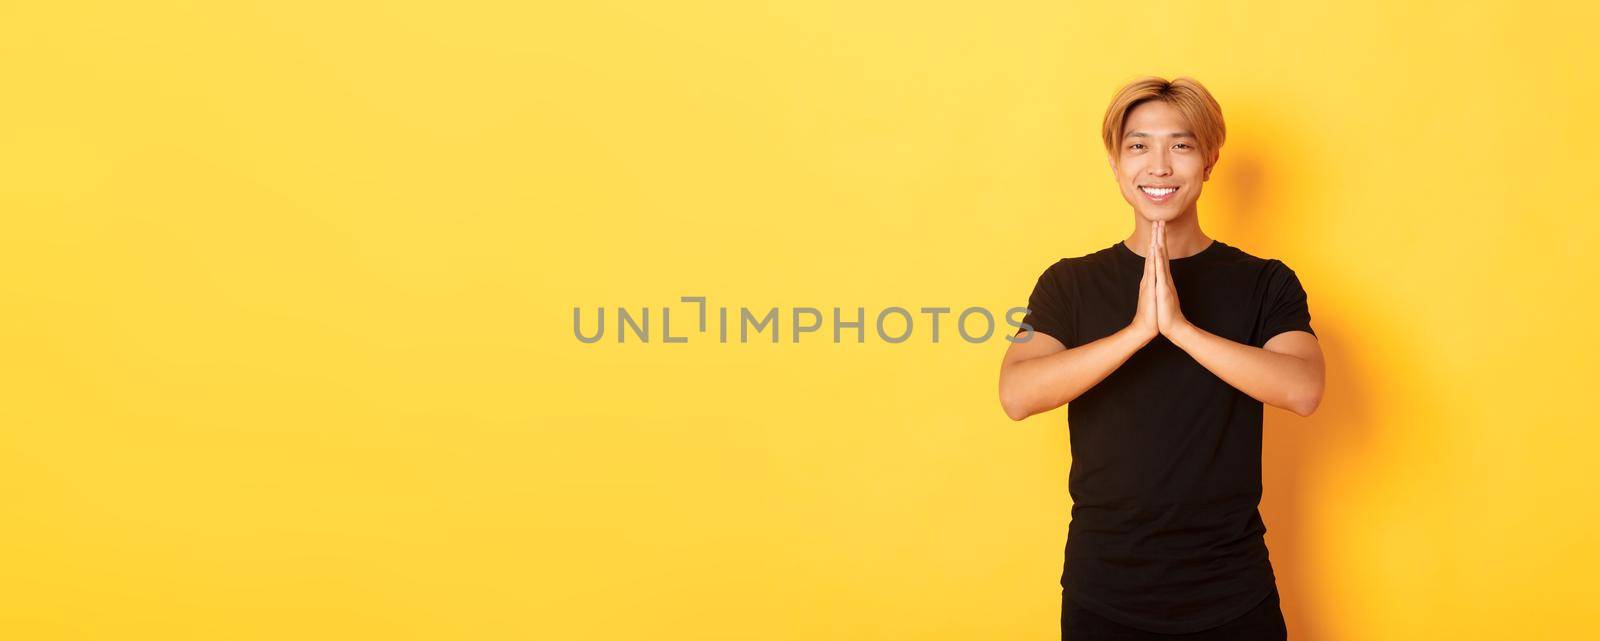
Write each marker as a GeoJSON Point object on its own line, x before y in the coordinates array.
{"type": "Point", "coordinates": [1160, 168]}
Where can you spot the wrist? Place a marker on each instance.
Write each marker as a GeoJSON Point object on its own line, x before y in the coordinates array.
{"type": "Point", "coordinates": [1181, 332]}
{"type": "Point", "coordinates": [1137, 336]}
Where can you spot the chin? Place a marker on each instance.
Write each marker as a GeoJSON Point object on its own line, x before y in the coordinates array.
{"type": "Point", "coordinates": [1168, 213]}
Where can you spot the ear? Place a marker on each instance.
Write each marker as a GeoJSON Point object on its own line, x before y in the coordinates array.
{"type": "Point", "coordinates": [1113, 164]}
{"type": "Point", "coordinates": [1209, 166]}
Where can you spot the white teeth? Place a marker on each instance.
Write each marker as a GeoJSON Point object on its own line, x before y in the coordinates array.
{"type": "Point", "coordinates": [1158, 192]}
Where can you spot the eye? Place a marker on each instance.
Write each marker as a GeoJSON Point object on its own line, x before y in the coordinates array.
{"type": "Point", "coordinates": [1137, 144]}
{"type": "Point", "coordinates": [1183, 144]}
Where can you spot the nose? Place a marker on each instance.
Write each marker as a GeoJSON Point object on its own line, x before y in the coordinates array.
{"type": "Point", "coordinates": [1161, 165]}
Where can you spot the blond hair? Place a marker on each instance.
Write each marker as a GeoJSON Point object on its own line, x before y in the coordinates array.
{"type": "Point", "coordinates": [1186, 95]}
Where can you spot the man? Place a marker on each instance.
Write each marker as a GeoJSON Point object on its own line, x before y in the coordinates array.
{"type": "Point", "coordinates": [1164, 347]}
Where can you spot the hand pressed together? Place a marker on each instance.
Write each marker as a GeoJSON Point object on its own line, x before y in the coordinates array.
{"type": "Point", "coordinates": [1158, 311]}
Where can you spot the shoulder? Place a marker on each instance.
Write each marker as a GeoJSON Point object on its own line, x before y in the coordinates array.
{"type": "Point", "coordinates": [1064, 273]}
{"type": "Point", "coordinates": [1239, 258]}
{"type": "Point", "coordinates": [1272, 278]}
{"type": "Point", "coordinates": [1106, 256]}
{"type": "Point", "coordinates": [1064, 266]}
{"type": "Point", "coordinates": [1234, 255]}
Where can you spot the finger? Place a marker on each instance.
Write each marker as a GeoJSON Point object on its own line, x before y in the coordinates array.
{"type": "Point", "coordinates": [1150, 258]}
{"type": "Point", "coordinates": [1166, 261]}
{"type": "Point", "coordinates": [1160, 237]}
{"type": "Point", "coordinates": [1156, 251]}
{"type": "Point", "coordinates": [1149, 269]}
{"type": "Point", "coordinates": [1150, 243]}
{"type": "Point", "coordinates": [1161, 275]}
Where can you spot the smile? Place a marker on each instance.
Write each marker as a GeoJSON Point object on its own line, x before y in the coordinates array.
{"type": "Point", "coordinates": [1159, 194]}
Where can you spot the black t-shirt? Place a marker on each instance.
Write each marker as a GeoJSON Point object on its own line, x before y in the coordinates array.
{"type": "Point", "coordinates": [1166, 457]}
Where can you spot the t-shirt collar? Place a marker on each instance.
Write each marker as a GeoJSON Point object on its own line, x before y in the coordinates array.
{"type": "Point", "coordinates": [1128, 254]}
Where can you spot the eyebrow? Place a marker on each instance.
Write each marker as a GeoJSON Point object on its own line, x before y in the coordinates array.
{"type": "Point", "coordinates": [1180, 134]}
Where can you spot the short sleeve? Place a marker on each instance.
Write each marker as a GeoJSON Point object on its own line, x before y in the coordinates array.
{"type": "Point", "coordinates": [1285, 308]}
{"type": "Point", "coordinates": [1050, 305]}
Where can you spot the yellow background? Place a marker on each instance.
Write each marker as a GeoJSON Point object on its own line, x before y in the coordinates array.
{"type": "Point", "coordinates": [288, 295]}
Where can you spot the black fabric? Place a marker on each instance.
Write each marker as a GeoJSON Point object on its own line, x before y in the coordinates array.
{"type": "Point", "coordinates": [1264, 622]}
{"type": "Point", "coordinates": [1166, 535]}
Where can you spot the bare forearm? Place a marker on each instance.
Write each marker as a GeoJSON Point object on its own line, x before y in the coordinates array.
{"type": "Point", "coordinates": [1042, 384]}
{"type": "Point", "coordinates": [1280, 380]}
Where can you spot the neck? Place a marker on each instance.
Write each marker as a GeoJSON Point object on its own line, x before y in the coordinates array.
{"type": "Point", "coordinates": [1184, 237]}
